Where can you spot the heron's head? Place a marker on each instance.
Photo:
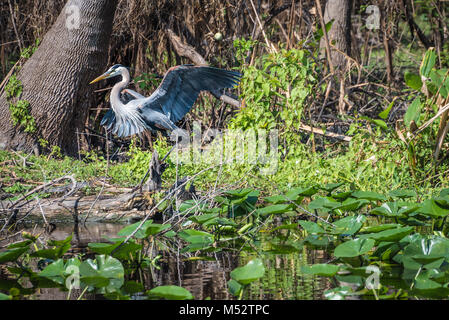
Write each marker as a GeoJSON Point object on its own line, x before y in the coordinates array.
{"type": "Point", "coordinates": [115, 70]}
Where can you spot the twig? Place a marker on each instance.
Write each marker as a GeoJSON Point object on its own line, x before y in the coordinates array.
{"type": "Point", "coordinates": [428, 123]}
{"type": "Point", "coordinates": [42, 211]}
{"type": "Point", "coordinates": [327, 134]}
{"type": "Point", "coordinates": [269, 45]}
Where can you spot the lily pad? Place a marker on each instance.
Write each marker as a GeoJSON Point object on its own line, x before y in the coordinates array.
{"type": "Point", "coordinates": [351, 204]}
{"type": "Point", "coordinates": [170, 293]}
{"type": "Point", "coordinates": [353, 248]}
{"type": "Point", "coordinates": [323, 269]}
{"type": "Point", "coordinates": [431, 208]}
{"type": "Point", "coordinates": [402, 194]}
{"type": "Point", "coordinates": [311, 227]}
{"type": "Point", "coordinates": [104, 272]}
{"type": "Point", "coordinates": [252, 271]}
{"type": "Point", "coordinates": [369, 195]}
{"type": "Point", "coordinates": [389, 235]}
{"type": "Point", "coordinates": [274, 209]}
{"type": "Point", "coordinates": [349, 225]}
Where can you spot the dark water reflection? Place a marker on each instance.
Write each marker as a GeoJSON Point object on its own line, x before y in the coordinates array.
{"type": "Point", "coordinates": [204, 279]}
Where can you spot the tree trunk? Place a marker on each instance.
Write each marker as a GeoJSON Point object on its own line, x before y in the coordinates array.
{"type": "Point", "coordinates": [340, 33]}
{"type": "Point", "coordinates": [55, 79]}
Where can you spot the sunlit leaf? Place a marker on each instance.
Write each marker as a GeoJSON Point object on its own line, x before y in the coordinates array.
{"type": "Point", "coordinates": [353, 248]}
{"type": "Point", "coordinates": [252, 271]}
{"type": "Point", "coordinates": [170, 293]}
{"type": "Point", "coordinates": [413, 112]}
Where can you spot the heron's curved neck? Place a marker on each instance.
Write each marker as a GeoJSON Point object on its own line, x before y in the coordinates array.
{"type": "Point", "coordinates": [117, 89]}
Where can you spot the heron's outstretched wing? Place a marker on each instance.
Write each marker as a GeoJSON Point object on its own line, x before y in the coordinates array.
{"type": "Point", "coordinates": [181, 86]}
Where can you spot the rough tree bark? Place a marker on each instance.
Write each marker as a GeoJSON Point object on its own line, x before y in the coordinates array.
{"type": "Point", "coordinates": [340, 33]}
{"type": "Point", "coordinates": [55, 79]}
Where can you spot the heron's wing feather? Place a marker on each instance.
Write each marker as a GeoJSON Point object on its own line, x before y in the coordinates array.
{"type": "Point", "coordinates": [124, 126]}
{"type": "Point", "coordinates": [181, 86]}
{"type": "Point", "coordinates": [155, 119]}
{"type": "Point", "coordinates": [108, 120]}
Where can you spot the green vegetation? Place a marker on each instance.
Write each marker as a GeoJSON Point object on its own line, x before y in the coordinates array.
{"type": "Point", "coordinates": [20, 110]}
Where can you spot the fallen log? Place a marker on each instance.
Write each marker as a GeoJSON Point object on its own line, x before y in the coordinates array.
{"type": "Point", "coordinates": [109, 207]}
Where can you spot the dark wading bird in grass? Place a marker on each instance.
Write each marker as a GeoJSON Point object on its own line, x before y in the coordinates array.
{"type": "Point", "coordinates": [170, 102]}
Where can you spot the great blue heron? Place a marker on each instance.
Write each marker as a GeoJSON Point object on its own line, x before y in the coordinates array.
{"type": "Point", "coordinates": [170, 102]}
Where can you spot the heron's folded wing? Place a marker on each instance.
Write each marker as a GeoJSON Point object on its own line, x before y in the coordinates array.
{"type": "Point", "coordinates": [182, 84]}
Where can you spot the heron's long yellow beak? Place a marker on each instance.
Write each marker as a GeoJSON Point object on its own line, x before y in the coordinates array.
{"type": "Point", "coordinates": [102, 77]}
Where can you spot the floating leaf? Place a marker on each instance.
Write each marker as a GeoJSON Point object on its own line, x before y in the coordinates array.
{"type": "Point", "coordinates": [274, 209]}
{"type": "Point", "coordinates": [121, 253]}
{"type": "Point", "coordinates": [431, 208]}
{"type": "Point", "coordinates": [104, 272]}
{"type": "Point", "coordinates": [234, 287]}
{"type": "Point", "coordinates": [342, 196]}
{"type": "Point", "coordinates": [324, 204]}
{"type": "Point", "coordinates": [353, 248]}
{"type": "Point", "coordinates": [196, 236]}
{"type": "Point", "coordinates": [252, 271]}
{"type": "Point", "coordinates": [156, 228]}
{"type": "Point", "coordinates": [311, 227]}
{"type": "Point", "coordinates": [306, 192]}
{"type": "Point", "coordinates": [402, 194]}
{"type": "Point", "coordinates": [54, 271]}
{"type": "Point", "coordinates": [351, 204]}
{"type": "Point", "coordinates": [349, 225]}
{"type": "Point", "coordinates": [203, 218]}
{"type": "Point", "coordinates": [21, 244]}
{"type": "Point", "coordinates": [389, 235]}
{"type": "Point", "coordinates": [388, 209]}
{"type": "Point", "coordinates": [170, 293]}
{"type": "Point", "coordinates": [324, 270]}
{"type": "Point", "coordinates": [368, 195]}
{"type": "Point", "coordinates": [332, 186]}
{"type": "Point", "coordinates": [428, 249]}
{"type": "Point", "coordinates": [380, 227]}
